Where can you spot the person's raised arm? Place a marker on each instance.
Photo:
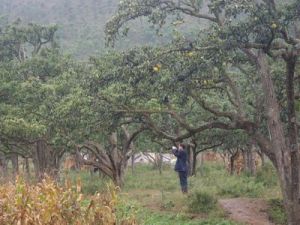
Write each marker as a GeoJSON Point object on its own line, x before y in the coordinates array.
{"type": "Point", "coordinates": [175, 150]}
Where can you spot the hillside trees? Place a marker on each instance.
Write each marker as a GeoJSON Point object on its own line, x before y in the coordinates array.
{"type": "Point", "coordinates": [81, 24]}
{"type": "Point", "coordinates": [249, 46]}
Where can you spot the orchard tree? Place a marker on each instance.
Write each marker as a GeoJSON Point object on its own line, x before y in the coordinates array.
{"type": "Point", "coordinates": [37, 82]}
{"type": "Point", "coordinates": [246, 42]}
{"type": "Point", "coordinates": [104, 135]}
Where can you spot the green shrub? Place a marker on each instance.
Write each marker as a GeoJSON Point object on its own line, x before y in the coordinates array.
{"type": "Point", "coordinates": [201, 202]}
{"type": "Point", "coordinates": [267, 175]}
{"type": "Point", "coordinates": [276, 211]}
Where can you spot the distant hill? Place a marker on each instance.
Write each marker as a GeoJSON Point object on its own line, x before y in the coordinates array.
{"type": "Point", "coordinates": [81, 23]}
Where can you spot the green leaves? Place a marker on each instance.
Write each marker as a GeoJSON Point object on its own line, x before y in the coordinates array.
{"type": "Point", "coordinates": [13, 126]}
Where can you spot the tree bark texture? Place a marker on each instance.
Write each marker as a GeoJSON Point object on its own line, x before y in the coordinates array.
{"type": "Point", "coordinates": [285, 149]}
{"type": "Point", "coordinates": [249, 160]}
{"type": "Point", "coordinates": [191, 160]}
{"type": "Point", "coordinates": [46, 160]}
{"type": "Point", "coordinates": [15, 164]}
{"type": "Point", "coordinates": [3, 165]}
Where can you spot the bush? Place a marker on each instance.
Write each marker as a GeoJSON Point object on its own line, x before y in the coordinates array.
{"type": "Point", "coordinates": [267, 175]}
{"type": "Point", "coordinates": [48, 203]}
{"type": "Point", "coordinates": [201, 202]}
{"type": "Point", "coordinates": [276, 211]}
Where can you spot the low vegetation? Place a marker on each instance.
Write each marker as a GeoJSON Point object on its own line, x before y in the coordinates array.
{"type": "Point", "coordinates": [48, 203]}
{"type": "Point", "coordinates": [201, 202]}
{"type": "Point", "coordinates": [156, 198]}
{"type": "Point", "coordinates": [276, 212]}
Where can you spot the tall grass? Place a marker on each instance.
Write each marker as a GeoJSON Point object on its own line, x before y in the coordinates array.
{"type": "Point", "coordinates": [48, 203]}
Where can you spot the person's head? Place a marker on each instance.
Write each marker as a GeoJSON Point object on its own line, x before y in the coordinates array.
{"type": "Point", "coordinates": [181, 146]}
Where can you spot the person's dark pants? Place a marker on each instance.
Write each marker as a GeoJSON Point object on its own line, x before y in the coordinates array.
{"type": "Point", "coordinates": [183, 181]}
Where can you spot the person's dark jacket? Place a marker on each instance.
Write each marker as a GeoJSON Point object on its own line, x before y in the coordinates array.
{"type": "Point", "coordinates": [181, 163]}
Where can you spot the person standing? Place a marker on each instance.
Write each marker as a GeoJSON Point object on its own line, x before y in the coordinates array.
{"type": "Point", "coordinates": [181, 166]}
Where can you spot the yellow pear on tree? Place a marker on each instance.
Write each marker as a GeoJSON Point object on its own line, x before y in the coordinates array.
{"type": "Point", "coordinates": [274, 26]}
{"type": "Point", "coordinates": [157, 67]}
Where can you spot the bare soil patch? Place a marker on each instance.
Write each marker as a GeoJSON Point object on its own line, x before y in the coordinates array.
{"type": "Point", "coordinates": [246, 210]}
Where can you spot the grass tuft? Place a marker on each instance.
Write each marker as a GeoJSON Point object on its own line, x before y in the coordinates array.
{"type": "Point", "coordinates": [276, 212]}
{"type": "Point", "coordinates": [201, 202]}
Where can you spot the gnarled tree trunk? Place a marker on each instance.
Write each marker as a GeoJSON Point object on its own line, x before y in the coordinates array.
{"type": "Point", "coordinates": [111, 161]}
{"type": "Point", "coordinates": [46, 160]}
{"type": "Point", "coordinates": [285, 150]}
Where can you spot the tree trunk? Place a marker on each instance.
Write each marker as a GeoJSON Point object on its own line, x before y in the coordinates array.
{"type": "Point", "coordinates": [192, 160]}
{"type": "Point", "coordinates": [118, 175]}
{"type": "Point", "coordinates": [292, 139]}
{"type": "Point", "coordinates": [285, 150]}
{"type": "Point", "coordinates": [160, 161]}
{"type": "Point", "coordinates": [262, 158]}
{"type": "Point", "coordinates": [117, 161]}
{"type": "Point", "coordinates": [3, 165]}
{"type": "Point", "coordinates": [132, 164]}
{"type": "Point", "coordinates": [194, 164]}
{"type": "Point", "coordinates": [46, 161]}
{"type": "Point", "coordinates": [231, 160]}
{"type": "Point", "coordinates": [252, 163]}
{"type": "Point", "coordinates": [249, 161]}
{"type": "Point", "coordinates": [232, 157]}
{"type": "Point", "coordinates": [111, 161]}
{"type": "Point", "coordinates": [201, 163]}
{"type": "Point", "coordinates": [27, 168]}
{"type": "Point", "coordinates": [15, 164]}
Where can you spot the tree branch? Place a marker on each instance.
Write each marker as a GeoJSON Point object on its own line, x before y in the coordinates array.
{"type": "Point", "coordinates": [209, 147]}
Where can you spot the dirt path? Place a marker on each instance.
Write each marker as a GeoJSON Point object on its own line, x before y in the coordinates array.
{"type": "Point", "coordinates": [246, 210]}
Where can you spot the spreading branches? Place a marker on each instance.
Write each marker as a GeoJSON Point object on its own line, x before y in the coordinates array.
{"type": "Point", "coordinates": [131, 137]}
{"type": "Point", "coordinates": [205, 105]}
{"type": "Point", "coordinates": [130, 10]}
{"type": "Point", "coordinates": [189, 133]}
{"type": "Point", "coordinates": [212, 146]}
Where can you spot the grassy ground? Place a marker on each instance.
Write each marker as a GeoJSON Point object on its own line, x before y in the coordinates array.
{"type": "Point", "coordinates": [156, 199]}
